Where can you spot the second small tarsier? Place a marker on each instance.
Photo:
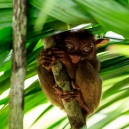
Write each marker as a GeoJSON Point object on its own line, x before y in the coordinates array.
{"type": "Point", "coordinates": [76, 49]}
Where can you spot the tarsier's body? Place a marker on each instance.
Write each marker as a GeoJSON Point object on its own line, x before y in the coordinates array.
{"type": "Point", "coordinates": [77, 51]}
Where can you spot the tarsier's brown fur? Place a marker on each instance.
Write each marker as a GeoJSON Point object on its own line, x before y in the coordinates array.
{"type": "Point", "coordinates": [84, 72]}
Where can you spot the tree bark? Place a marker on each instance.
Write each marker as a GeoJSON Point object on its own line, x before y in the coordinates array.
{"type": "Point", "coordinates": [61, 77]}
{"type": "Point", "coordinates": [18, 65]}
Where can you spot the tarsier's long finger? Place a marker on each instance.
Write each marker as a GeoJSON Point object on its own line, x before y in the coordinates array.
{"type": "Point", "coordinates": [74, 96]}
{"type": "Point", "coordinates": [58, 90]}
{"type": "Point", "coordinates": [47, 60]}
{"type": "Point", "coordinates": [70, 93]}
{"type": "Point", "coordinates": [68, 100]}
{"type": "Point", "coordinates": [55, 86]}
{"type": "Point", "coordinates": [75, 86]}
{"type": "Point", "coordinates": [46, 52]}
{"type": "Point", "coordinates": [58, 52]}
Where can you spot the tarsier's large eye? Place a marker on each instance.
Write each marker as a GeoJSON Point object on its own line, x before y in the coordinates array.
{"type": "Point", "coordinates": [88, 48]}
{"type": "Point", "coordinates": [69, 45]}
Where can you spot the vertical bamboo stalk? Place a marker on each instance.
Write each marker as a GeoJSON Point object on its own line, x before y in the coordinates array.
{"type": "Point", "coordinates": [61, 77]}
{"type": "Point", "coordinates": [18, 65]}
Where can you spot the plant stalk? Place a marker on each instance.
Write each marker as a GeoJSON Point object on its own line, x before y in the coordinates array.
{"type": "Point", "coordinates": [72, 108]}
{"type": "Point", "coordinates": [18, 65]}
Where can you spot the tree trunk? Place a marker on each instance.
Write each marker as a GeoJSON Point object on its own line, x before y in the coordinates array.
{"type": "Point", "coordinates": [18, 65]}
{"type": "Point", "coordinates": [61, 77]}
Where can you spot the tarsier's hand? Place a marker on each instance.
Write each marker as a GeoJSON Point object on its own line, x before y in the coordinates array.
{"type": "Point", "coordinates": [47, 59]}
{"type": "Point", "coordinates": [49, 56]}
{"type": "Point", "coordinates": [68, 96]}
{"type": "Point", "coordinates": [61, 55]}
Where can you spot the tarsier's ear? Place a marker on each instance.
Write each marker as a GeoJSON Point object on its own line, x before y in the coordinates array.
{"type": "Point", "coordinates": [100, 42]}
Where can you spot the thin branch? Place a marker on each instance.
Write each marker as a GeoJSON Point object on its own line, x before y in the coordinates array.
{"type": "Point", "coordinates": [61, 77]}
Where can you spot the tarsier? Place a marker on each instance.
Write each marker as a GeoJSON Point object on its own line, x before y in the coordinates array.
{"type": "Point", "coordinates": [76, 49]}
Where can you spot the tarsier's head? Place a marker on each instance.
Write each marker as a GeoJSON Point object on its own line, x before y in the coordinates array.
{"type": "Point", "coordinates": [79, 44]}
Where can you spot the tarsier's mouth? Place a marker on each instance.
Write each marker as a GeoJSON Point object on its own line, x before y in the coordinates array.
{"type": "Point", "coordinates": [75, 62]}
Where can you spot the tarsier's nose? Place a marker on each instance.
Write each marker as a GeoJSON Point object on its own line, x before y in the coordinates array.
{"type": "Point", "coordinates": [75, 59]}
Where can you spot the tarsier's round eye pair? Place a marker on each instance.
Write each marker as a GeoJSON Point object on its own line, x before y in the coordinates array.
{"type": "Point", "coordinates": [70, 46]}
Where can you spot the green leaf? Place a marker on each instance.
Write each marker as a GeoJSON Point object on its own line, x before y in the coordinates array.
{"type": "Point", "coordinates": [110, 117]}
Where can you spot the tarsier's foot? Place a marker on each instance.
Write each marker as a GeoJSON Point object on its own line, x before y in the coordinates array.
{"type": "Point", "coordinates": [68, 96]}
